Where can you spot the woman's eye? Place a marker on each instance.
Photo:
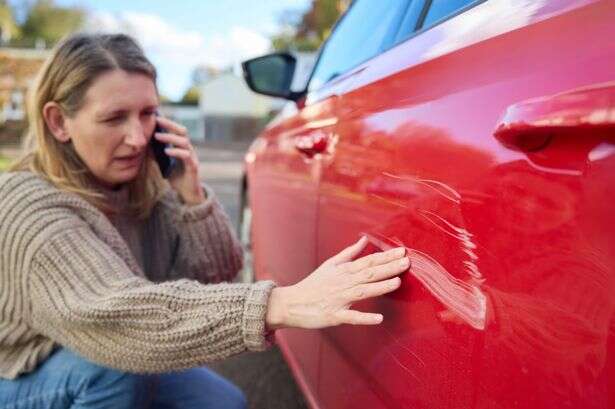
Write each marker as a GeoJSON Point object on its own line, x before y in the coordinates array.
{"type": "Point", "coordinates": [113, 119]}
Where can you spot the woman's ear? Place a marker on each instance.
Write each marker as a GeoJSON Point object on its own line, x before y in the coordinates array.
{"type": "Point", "coordinates": [56, 121]}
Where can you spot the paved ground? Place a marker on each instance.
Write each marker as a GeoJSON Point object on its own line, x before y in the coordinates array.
{"type": "Point", "coordinates": [264, 377]}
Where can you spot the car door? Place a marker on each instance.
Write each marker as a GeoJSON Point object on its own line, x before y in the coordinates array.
{"type": "Point", "coordinates": [282, 184]}
{"type": "Point", "coordinates": [484, 143]}
{"type": "Point", "coordinates": [283, 174]}
{"type": "Point", "coordinates": [283, 178]}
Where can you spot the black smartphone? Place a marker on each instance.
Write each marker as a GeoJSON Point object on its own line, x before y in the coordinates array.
{"type": "Point", "coordinates": [166, 163]}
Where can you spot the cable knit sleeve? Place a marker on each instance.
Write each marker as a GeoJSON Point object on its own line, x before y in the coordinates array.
{"type": "Point", "coordinates": [205, 247]}
{"type": "Point", "coordinates": [84, 296]}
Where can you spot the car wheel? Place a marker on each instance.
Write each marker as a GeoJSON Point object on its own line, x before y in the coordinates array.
{"type": "Point", "coordinates": [246, 274]}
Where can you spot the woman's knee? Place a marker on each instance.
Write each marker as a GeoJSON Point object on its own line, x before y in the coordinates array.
{"type": "Point", "coordinates": [199, 387]}
{"type": "Point", "coordinates": [111, 382]}
{"type": "Point", "coordinates": [91, 382]}
{"type": "Point", "coordinates": [234, 397]}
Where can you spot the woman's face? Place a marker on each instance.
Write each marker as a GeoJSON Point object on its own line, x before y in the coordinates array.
{"type": "Point", "coordinates": [112, 129]}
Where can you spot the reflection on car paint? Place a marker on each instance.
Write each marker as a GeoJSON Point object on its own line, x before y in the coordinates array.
{"type": "Point", "coordinates": [569, 172]}
{"type": "Point", "coordinates": [602, 151]}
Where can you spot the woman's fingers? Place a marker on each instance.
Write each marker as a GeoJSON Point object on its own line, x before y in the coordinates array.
{"type": "Point", "coordinates": [370, 290]}
{"type": "Point", "coordinates": [354, 317]}
{"type": "Point", "coordinates": [190, 162]}
{"type": "Point", "coordinates": [376, 259]}
{"type": "Point", "coordinates": [348, 253]}
{"type": "Point", "coordinates": [175, 140]}
{"type": "Point", "coordinates": [171, 126]}
{"type": "Point", "coordinates": [179, 153]}
{"type": "Point", "coordinates": [384, 271]}
{"type": "Point", "coordinates": [362, 292]}
{"type": "Point", "coordinates": [323, 299]}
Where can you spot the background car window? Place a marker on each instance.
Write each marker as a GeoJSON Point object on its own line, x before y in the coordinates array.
{"type": "Point", "coordinates": [359, 36]}
{"type": "Point", "coordinates": [442, 8]}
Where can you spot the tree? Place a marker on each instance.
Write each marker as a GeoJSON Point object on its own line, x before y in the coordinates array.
{"type": "Point", "coordinates": [8, 27]}
{"type": "Point", "coordinates": [47, 22]}
{"type": "Point", "coordinates": [164, 99]}
{"type": "Point", "coordinates": [308, 31]}
{"type": "Point", "coordinates": [191, 96]}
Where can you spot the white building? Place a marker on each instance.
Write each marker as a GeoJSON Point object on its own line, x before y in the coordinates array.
{"type": "Point", "coordinates": [189, 116]}
{"type": "Point", "coordinates": [232, 111]}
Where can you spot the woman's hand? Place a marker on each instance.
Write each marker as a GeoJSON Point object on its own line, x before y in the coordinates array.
{"type": "Point", "coordinates": [324, 298]}
{"type": "Point", "coordinates": [186, 183]}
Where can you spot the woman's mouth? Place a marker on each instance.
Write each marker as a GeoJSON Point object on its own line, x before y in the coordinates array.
{"type": "Point", "coordinates": [129, 160]}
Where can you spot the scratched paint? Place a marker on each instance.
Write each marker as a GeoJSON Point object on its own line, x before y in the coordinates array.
{"type": "Point", "coordinates": [465, 300]}
{"type": "Point", "coordinates": [465, 240]}
{"type": "Point", "coordinates": [441, 188]}
{"type": "Point", "coordinates": [393, 202]}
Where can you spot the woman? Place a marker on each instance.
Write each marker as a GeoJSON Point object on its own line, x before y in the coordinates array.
{"type": "Point", "coordinates": [108, 272]}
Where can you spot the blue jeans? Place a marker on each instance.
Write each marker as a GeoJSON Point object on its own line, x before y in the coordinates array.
{"type": "Point", "coordinates": [66, 380]}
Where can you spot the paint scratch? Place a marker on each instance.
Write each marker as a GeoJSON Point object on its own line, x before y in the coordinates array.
{"type": "Point", "coordinates": [465, 238]}
{"type": "Point", "coordinates": [438, 187]}
{"type": "Point", "coordinates": [404, 367]}
{"type": "Point", "coordinates": [465, 300]}
{"type": "Point", "coordinates": [404, 347]}
{"type": "Point", "coordinates": [403, 206]}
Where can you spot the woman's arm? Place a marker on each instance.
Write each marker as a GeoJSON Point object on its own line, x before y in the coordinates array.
{"type": "Point", "coordinates": [204, 246]}
{"type": "Point", "coordinates": [83, 296]}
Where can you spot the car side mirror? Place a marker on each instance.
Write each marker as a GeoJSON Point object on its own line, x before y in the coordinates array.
{"type": "Point", "coordinates": [272, 75]}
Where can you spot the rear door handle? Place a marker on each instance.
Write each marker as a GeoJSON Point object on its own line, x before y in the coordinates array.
{"type": "Point", "coordinates": [311, 145]}
{"type": "Point", "coordinates": [529, 125]}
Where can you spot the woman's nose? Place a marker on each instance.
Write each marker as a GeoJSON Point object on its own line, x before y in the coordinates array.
{"type": "Point", "coordinates": [136, 135]}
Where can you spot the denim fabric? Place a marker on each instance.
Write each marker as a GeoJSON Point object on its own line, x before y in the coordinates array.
{"type": "Point", "coordinates": [66, 380]}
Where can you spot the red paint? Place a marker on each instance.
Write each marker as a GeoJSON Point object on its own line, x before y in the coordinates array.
{"type": "Point", "coordinates": [529, 125]}
{"type": "Point", "coordinates": [486, 146]}
{"type": "Point", "coordinates": [312, 145]}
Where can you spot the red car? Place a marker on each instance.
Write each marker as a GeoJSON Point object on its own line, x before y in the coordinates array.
{"type": "Point", "coordinates": [481, 136]}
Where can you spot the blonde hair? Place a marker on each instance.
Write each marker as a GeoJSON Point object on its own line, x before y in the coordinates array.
{"type": "Point", "coordinates": [65, 77]}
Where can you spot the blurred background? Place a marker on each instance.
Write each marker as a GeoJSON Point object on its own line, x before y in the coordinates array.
{"type": "Point", "coordinates": [197, 47]}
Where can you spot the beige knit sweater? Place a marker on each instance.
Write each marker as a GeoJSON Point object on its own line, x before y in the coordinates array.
{"type": "Point", "coordinates": [125, 294]}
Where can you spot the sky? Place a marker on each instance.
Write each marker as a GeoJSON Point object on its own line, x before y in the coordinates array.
{"type": "Point", "coordinates": [178, 35]}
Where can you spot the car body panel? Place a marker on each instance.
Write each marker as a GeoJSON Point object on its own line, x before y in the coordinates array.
{"type": "Point", "coordinates": [283, 189]}
{"type": "Point", "coordinates": [509, 300]}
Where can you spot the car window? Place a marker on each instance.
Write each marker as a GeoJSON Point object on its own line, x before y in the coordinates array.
{"type": "Point", "coordinates": [409, 24]}
{"type": "Point", "coordinates": [358, 37]}
{"type": "Point", "coordinates": [442, 8]}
